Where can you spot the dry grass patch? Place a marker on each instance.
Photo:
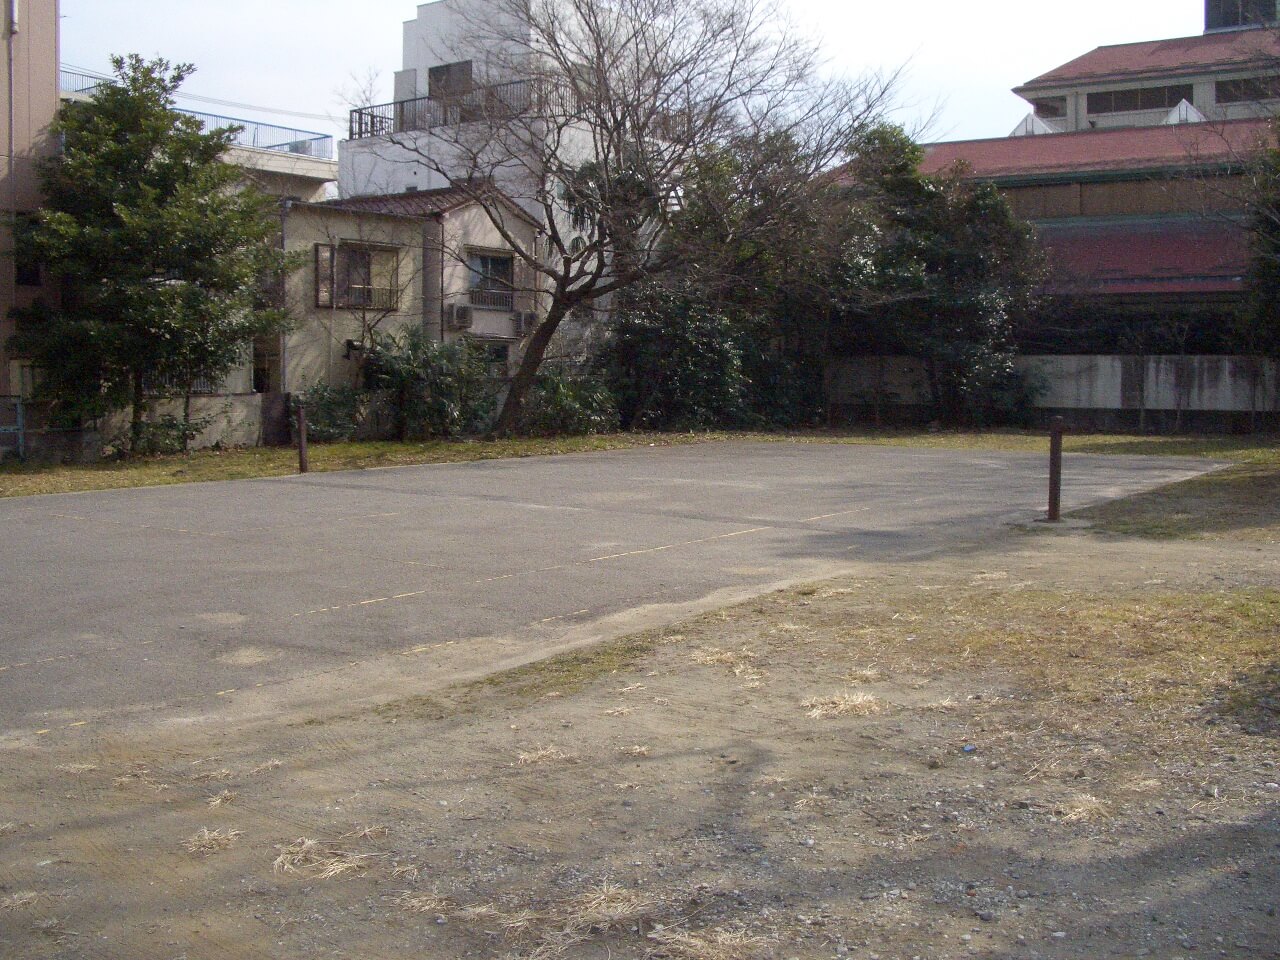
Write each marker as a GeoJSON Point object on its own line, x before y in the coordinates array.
{"type": "Point", "coordinates": [548, 754]}
{"type": "Point", "coordinates": [320, 859]}
{"type": "Point", "coordinates": [221, 799]}
{"type": "Point", "coordinates": [674, 944]}
{"type": "Point", "coordinates": [424, 903]}
{"type": "Point", "coordinates": [743, 663]}
{"type": "Point", "coordinates": [1083, 808]}
{"type": "Point", "coordinates": [15, 901]}
{"type": "Point", "coordinates": [842, 705]}
{"type": "Point", "coordinates": [1238, 503]}
{"type": "Point", "coordinates": [1148, 646]}
{"type": "Point", "coordinates": [210, 841]}
{"type": "Point", "coordinates": [18, 479]}
{"type": "Point", "coordinates": [6, 828]}
{"type": "Point", "coordinates": [638, 750]}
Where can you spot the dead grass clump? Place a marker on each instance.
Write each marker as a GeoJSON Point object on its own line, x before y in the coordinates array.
{"type": "Point", "coordinates": [866, 675]}
{"type": "Point", "coordinates": [1083, 808]}
{"type": "Point", "coordinates": [609, 907]}
{"type": "Point", "coordinates": [271, 764]}
{"type": "Point", "coordinates": [77, 767]}
{"type": "Point", "coordinates": [704, 945]}
{"type": "Point", "coordinates": [18, 900]}
{"type": "Point", "coordinates": [424, 903]}
{"type": "Point", "coordinates": [617, 712]}
{"type": "Point", "coordinates": [9, 827]}
{"type": "Point", "coordinates": [210, 841]}
{"type": "Point", "coordinates": [223, 774]}
{"type": "Point", "coordinates": [842, 705]}
{"type": "Point", "coordinates": [325, 861]}
{"type": "Point", "coordinates": [405, 871]}
{"type": "Point", "coordinates": [548, 754]}
{"type": "Point", "coordinates": [368, 833]}
{"type": "Point", "coordinates": [744, 663]}
{"type": "Point", "coordinates": [220, 799]}
{"type": "Point", "coordinates": [140, 775]}
{"type": "Point", "coordinates": [638, 750]}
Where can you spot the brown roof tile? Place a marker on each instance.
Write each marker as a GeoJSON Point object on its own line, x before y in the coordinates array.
{"type": "Point", "coordinates": [1235, 48]}
{"type": "Point", "coordinates": [1134, 148]}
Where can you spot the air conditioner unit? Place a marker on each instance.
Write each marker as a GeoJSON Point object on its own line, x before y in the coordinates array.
{"type": "Point", "coordinates": [459, 317]}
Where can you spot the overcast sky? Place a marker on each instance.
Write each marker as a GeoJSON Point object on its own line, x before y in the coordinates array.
{"type": "Point", "coordinates": [300, 55]}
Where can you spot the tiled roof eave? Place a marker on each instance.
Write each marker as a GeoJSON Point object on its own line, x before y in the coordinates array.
{"type": "Point", "coordinates": [1048, 82]}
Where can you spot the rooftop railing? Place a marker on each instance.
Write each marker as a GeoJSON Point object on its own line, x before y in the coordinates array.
{"type": "Point", "coordinates": [424, 113]}
{"type": "Point", "coordinates": [252, 133]}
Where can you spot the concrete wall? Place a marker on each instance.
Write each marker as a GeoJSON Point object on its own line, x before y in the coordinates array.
{"type": "Point", "coordinates": [235, 420]}
{"type": "Point", "coordinates": [1202, 392]}
{"type": "Point", "coordinates": [34, 95]}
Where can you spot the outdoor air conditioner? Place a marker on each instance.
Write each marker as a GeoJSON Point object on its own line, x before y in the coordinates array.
{"type": "Point", "coordinates": [459, 317]}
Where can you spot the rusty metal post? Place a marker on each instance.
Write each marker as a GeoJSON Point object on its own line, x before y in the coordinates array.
{"type": "Point", "coordinates": [302, 439]}
{"type": "Point", "coordinates": [1056, 428]}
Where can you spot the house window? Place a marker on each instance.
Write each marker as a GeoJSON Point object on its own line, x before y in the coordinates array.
{"type": "Point", "coordinates": [1145, 98]}
{"type": "Point", "coordinates": [1224, 14]}
{"type": "Point", "coordinates": [492, 280]}
{"type": "Point", "coordinates": [450, 80]}
{"type": "Point", "coordinates": [1250, 90]}
{"type": "Point", "coordinates": [1050, 108]}
{"type": "Point", "coordinates": [26, 268]}
{"type": "Point", "coordinates": [357, 276]}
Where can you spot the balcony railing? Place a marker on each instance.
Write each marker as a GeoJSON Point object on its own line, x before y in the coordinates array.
{"type": "Point", "coordinates": [424, 113]}
{"type": "Point", "coordinates": [369, 298]}
{"type": "Point", "coordinates": [492, 299]}
{"type": "Point", "coordinates": [260, 136]}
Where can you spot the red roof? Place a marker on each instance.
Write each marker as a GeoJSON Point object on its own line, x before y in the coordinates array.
{"type": "Point", "coordinates": [1146, 257]}
{"type": "Point", "coordinates": [1233, 48]}
{"type": "Point", "coordinates": [1131, 148]}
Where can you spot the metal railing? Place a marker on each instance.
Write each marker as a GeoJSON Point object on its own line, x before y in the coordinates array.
{"type": "Point", "coordinates": [362, 297]}
{"type": "Point", "coordinates": [424, 113]}
{"type": "Point", "coordinates": [492, 299]}
{"type": "Point", "coordinates": [252, 133]}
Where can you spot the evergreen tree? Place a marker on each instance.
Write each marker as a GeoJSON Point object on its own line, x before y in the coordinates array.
{"type": "Point", "coordinates": [158, 251]}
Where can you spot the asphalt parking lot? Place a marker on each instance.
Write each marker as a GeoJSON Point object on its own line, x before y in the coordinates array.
{"type": "Point", "coordinates": [148, 602]}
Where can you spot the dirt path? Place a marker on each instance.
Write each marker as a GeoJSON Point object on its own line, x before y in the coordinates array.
{"type": "Point", "coordinates": [1061, 746]}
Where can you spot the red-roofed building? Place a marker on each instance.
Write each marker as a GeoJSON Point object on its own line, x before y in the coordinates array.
{"type": "Point", "coordinates": [1131, 168]}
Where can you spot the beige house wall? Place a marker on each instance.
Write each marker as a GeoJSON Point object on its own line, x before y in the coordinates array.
{"type": "Point", "coordinates": [30, 104]}
{"type": "Point", "coordinates": [470, 229]}
{"type": "Point", "coordinates": [315, 351]}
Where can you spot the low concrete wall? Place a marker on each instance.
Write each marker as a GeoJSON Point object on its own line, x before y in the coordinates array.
{"type": "Point", "coordinates": [1100, 391]}
{"type": "Point", "coordinates": [235, 419]}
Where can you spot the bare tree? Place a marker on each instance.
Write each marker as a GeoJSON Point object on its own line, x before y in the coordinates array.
{"type": "Point", "coordinates": [596, 116]}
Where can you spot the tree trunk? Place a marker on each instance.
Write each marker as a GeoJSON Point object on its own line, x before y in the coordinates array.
{"type": "Point", "coordinates": [186, 420]}
{"type": "Point", "coordinates": [509, 417]}
{"type": "Point", "coordinates": [136, 415]}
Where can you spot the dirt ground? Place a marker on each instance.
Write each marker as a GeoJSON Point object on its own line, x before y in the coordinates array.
{"type": "Point", "coordinates": [1060, 746]}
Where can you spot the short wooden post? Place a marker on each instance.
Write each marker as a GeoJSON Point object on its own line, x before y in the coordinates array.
{"type": "Point", "coordinates": [1056, 428]}
{"type": "Point", "coordinates": [302, 439]}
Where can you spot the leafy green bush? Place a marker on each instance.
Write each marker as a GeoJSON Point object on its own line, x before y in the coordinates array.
{"type": "Point", "coordinates": [673, 363]}
{"type": "Point", "coordinates": [561, 404]}
{"type": "Point", "coordinates": [333, 413]}
{"type": "Point", "coordinates": [165, 434]}
{"type": "Point", "coordinates": [434, 389]}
